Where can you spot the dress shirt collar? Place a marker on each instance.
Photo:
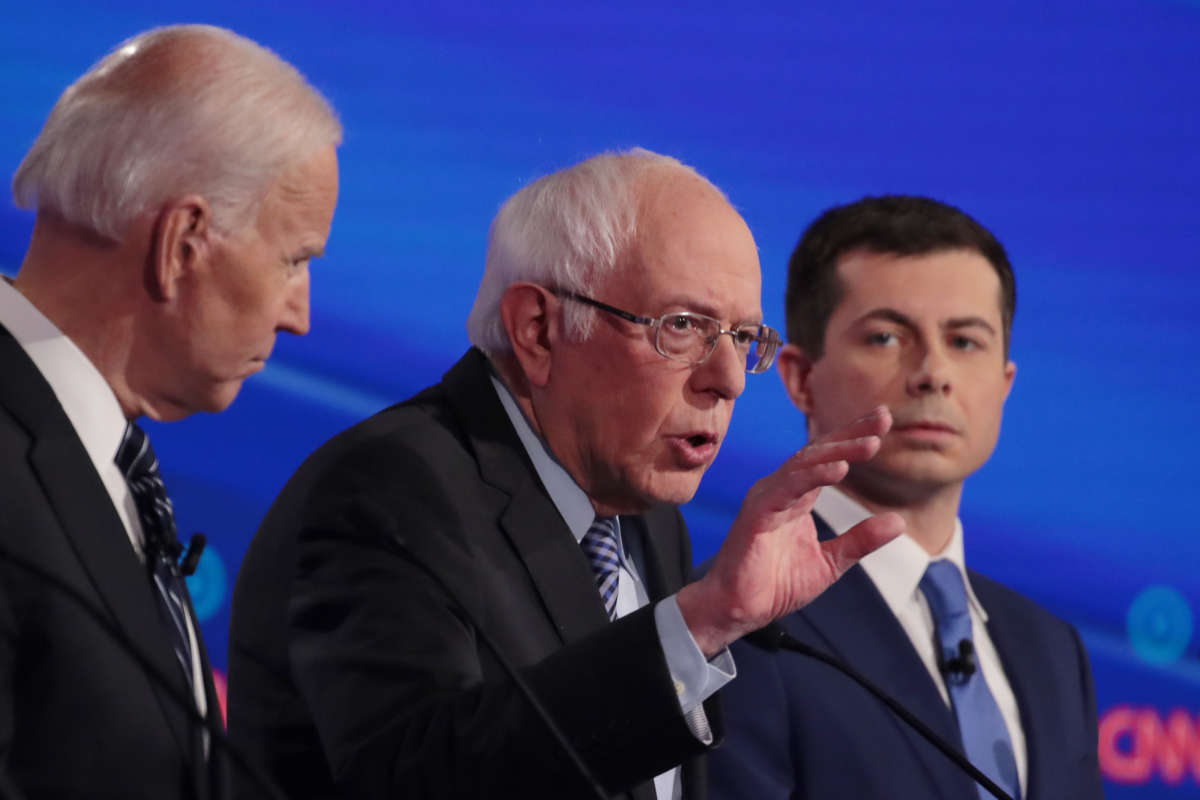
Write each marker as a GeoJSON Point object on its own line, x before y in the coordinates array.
{"type": "Point", "coordinates": [896, 568]}
{"type": "Point", "coordinates": [570, 500]}
{"type": "Point", "coordinates": [82, 391]}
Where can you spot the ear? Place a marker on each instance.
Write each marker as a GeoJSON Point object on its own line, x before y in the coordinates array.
{"type": "Point", "coordinates": [1010, 372]}
{"type": "Point", "coordinates": [528, 312]}
{"type": "Point", "coordinates": [182, 244]}
{"type": "Point", "coordinates": [795, 368]}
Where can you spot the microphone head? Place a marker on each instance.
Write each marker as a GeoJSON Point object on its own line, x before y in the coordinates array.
{"type": "Point", "coordinates": [770, 637]}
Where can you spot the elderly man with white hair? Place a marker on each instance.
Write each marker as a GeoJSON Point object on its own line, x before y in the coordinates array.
{"type": "Point", "coordinates": [181, 186]}
{"type": "Point", "coordinates": [525, 510]}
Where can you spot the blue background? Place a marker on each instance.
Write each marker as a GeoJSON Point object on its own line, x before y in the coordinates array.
{"type": "Point", "coordinates": [1072, 130]}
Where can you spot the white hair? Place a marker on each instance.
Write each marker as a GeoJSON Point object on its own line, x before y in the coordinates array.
{"type": "Point", "coordinates": [173, 111]}
{"type": "Point", "coordinates": [568, 230]}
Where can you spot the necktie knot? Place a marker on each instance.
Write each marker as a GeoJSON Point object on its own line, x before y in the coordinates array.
{"type": "Point", "coordinates": [600, 546]}
{"type": "Point", "coordinates": [943, 587]}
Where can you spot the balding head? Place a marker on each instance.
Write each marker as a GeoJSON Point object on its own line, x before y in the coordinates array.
{"type": "Point", "coordinates": [187, 109]}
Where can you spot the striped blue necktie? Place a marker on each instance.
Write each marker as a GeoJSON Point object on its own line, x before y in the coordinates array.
{"type": "Point", "coordinates": [137, 462]}
{"type": "Point", "coordinates": [600, 546]}
{"type": "Point", "coordinates": [984, 734]}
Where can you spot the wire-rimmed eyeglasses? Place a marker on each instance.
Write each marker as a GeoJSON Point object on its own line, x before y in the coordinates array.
{"type": "Point", "coordinates": [690, 337]}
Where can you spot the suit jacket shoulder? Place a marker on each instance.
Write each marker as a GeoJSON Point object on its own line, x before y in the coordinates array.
{"type": "Point", "coordinates": [796, 727]}
{"type": "Point", "coordinates": [78, 710]}
{"type": "Point", "coordinates": [392, 563]}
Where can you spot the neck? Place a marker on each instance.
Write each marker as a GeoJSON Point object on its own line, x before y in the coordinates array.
{"type": "Point", "coordinates": [509, 370]}
{"type": "Point", "coordinates": [85, 286]}
{"type": "Point", "coordinates": [929, 516]}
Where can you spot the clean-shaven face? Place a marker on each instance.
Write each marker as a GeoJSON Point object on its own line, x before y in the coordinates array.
{"type": "Point", "coordinates": [923, 335]}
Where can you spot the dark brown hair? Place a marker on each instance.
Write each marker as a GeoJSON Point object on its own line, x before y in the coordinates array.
{"type": "Point", "coordinates": [903, 225]}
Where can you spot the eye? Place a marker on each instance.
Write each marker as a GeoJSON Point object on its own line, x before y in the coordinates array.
{"type": "Point", "coordinates": [882, 339]}
{"type": "Point", "coordinates": [965, 343]}
{"type": "Point", "coordinates": [679, 323]}
{"type": "Point", "coordinates": [744, 337]}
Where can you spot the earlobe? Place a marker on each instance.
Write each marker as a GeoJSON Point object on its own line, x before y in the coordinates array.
{"type": "Point", "coordinates": [526, 311]}
{"type": "Point", "coordinates": [795, 369]}
{"type": "Point", "coordinates": [181, 245]}
{"type": "Point", "coordinates": [1010, 372]}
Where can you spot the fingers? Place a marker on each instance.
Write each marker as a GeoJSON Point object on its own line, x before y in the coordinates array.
{"type": "Point", "coordinates": [876, 423]}
{"type": "Point", "coordinates": [823, 462]}
{"type": "Point", "coordinates": [843, 552]}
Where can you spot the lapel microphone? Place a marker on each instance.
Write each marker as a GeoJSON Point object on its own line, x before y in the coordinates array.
{"type": "Point", "coordinates": [773, 638]}
{"type": "Point", "coordinates": [960, 667]}
{"type": "Point", "coordinates": [195, 548]}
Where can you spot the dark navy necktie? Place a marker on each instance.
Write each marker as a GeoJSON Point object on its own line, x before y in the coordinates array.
{"type": "Point", "coordinates": [137, 462]}
{"type": "Point", "coordinates": [984, 734]}
{"type": "Point", "coordinates": [600, 546]}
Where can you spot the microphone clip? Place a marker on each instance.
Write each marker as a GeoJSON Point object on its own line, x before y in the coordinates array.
{"type": "Point", "coordinates": [958, 668]}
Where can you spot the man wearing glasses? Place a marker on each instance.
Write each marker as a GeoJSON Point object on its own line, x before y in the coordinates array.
{"type": "Point", "coordinates": [527, 505]}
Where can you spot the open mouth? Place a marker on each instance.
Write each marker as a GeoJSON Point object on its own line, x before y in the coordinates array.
{"type": "Point", "coordinates": [694, 449]}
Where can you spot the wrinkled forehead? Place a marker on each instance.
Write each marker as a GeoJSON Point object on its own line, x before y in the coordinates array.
{"type": "Point", "coordinates": [690, 244]}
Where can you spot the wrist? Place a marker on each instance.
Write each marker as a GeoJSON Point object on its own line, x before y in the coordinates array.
{"type": "Point", "coordinates": [706, 618]}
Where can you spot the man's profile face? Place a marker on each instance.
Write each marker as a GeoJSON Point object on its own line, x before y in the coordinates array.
{"type": "Point", "coordinates": [256, 284]}
{"type": "Point", "coordinates": [641, 429]}
{"type": "Point", "coordinates": [923, 335]}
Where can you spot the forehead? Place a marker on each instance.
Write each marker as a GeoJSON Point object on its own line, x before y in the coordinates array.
{"type": "Point", "coordinates": [301, 201]}
{"type": "Point", "coordinates": [692, 249]}
{"type": "Point", "coordinates": [934, 286]}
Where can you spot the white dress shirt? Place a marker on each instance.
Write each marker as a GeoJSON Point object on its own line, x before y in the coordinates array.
{"type": "Point", "coordinates": [896, 570]}
{"type": "Point", "coordinates": [94, 412]}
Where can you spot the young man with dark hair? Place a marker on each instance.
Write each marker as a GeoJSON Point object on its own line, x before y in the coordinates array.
{"type": "Point", "coordinates": [908, 302]}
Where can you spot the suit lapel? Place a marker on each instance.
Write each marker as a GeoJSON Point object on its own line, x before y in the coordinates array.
{"type": "Point", "coordinates": [1028, 679]}
{"type": "Point", "coordinates": [556, 565]}
{"type": "Point", "coordinates": [93, 529]}
{"type": "Point", "coordinates": [853, 619]}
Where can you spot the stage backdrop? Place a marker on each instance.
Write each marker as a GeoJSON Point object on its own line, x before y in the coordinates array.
{"type": "Point", "coordinates": [1071, 129]}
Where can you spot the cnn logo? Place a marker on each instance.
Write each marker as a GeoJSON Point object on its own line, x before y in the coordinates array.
{"type": "Point", "coordinates": [1136, 744]}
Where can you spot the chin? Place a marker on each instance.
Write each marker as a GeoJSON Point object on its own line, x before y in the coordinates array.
{"type": "Point", "coordinates": [675, 489]}
{"type": "Point", "coordinates": [222, 397]}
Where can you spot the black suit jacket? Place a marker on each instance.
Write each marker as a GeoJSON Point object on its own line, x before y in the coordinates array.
{"type": "Point", "coordinates": [350, 667]}
{"type": "Point", "coordinates": [79, 717]}
{"type": "Point", "coordinates": [796, 728]}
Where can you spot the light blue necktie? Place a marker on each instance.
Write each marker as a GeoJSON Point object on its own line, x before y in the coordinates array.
{"type": "Point", "coordinates": [600, 546]}
{"type": "Point", "coordinates": [984, 734]}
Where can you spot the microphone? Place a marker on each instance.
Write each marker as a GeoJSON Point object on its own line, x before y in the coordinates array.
{"type": "Point", "coordinates": [774, 638]}
{"type": "Point", "coordinates": [539, 709]}
{"type": "Point", "coordinates": [191, 558]}
{"type": "Point", "coordinates": [960, 667]}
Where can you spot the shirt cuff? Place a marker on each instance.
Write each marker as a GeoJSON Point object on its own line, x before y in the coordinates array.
{"type": "Point", "coordinates": [695, 678]}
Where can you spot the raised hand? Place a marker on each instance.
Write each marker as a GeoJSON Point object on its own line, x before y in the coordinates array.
{"type": "Point", "coordinates": [771, 562]}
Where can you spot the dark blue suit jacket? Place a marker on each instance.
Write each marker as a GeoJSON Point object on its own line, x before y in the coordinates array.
{"type": "Point", "coordinates": [797, 728]}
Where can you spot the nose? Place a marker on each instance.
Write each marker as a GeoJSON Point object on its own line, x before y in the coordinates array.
{"type": "Point", "coordinates": [931, 374]}
{"type": "Point", "coordinates": [294, 317]}
{"type": "Point", "coordinates": [724, 373]}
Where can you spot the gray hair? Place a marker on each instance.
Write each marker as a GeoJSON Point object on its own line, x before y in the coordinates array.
{"type": "Point", "coordinates": [175, 110]}
{"type": "Point", "coordinates": [567, 230]}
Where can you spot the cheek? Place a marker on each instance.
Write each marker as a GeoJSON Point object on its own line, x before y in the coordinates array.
{"type": "Point", "coordinates": [842, 395]}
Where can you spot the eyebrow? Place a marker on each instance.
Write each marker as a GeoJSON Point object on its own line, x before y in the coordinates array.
{"type": "Point", "coordinates": [691, 304]}
{"type": "Point", "coordinates": [953, 324]}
